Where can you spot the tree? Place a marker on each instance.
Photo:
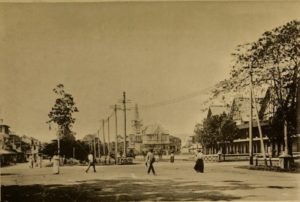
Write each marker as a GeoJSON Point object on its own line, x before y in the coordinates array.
{"type": "Point", "coordinates": [272, 60]}
{"type": "Point", "coordinates": [68, 146]}
{"type": "Point", "coordinates": [62, 112]}
{"type": "Point", "coordinates": [216, 131]}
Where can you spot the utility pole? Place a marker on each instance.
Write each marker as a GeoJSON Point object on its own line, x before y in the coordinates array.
{"type": "Point", "coordinates": [286, 146]}
{"type": "Point", "coordinates": [103, 125]}
{"type": "Point", "coordinates": [98, 144]}
{"type": "Point", "coordinates": [58, 142]}
{"type": "Point", "coordinates": [116, 141]}
{"type": "Point", "coordinates": [250, 122]}
{"type": "Point", "coordinates": [95, 146]}
{"type": "Point", "coordinates": [124, 108]}
{"type": "Point", "coordinates": [260, 133]}
{"type": "Point", "coordinates": [108, 144]}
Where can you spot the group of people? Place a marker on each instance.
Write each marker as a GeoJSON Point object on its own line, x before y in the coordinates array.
{"type": "Point", "coordinates": [35, 161]}
{"type": "Point", "coordinates": [150, 160]}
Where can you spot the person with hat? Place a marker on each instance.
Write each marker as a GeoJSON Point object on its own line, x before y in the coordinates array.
{"type": "Point", "coordinates": [150, 159]}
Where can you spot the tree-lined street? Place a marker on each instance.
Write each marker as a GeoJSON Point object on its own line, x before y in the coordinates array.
{"type": "Point", "coordinates": [220, 181]}
{"type": "Point", "coordinates": [128, 85]}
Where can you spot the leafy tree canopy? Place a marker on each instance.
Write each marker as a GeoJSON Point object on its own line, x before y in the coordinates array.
{"type": "Point", "coordinates": [272, 60]}
{"type": "Point", "coordinates": [215, 130]}
{"type": "Point", "coordinates": [62, 112]}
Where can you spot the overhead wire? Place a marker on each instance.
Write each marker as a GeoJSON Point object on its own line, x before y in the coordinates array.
{"type": "Point", "coordinates": [175, 100]}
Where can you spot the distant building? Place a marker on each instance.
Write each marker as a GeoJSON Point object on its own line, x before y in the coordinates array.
{"type": "Point", "coordinates": [15, 148]}
{"type": "Point", "coordinates": [157, 138]}
{"type": "Point", "coordinates": [94, 143]}
{"type": "Point", "coordinates": [240, 113]}
{"type": "Point", "coordinates": [175, 144]}
{"type": "Point", "coordinates": [135, 142]}
{"type": "Point", "coordinates": [189, 144]}
{"type": "Point", "coordinates": [240, 110]}
{"type": "Point", "coordinates": [4, 133]}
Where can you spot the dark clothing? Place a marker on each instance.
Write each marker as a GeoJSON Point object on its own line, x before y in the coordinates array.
{"type": "Point", "coordinates": [150, 159]}
{"type": "Point", "coordinates": [172, 159]}
{"type": "Point", "coordinates": [91, 164]}
{"type": "Point", "coordinates": [151, 168]}
{"type": "Point", "coordinates": [199, 166]}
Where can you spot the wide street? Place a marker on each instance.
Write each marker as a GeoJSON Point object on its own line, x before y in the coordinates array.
{"type": "Point", "coordinates": [226, 181]}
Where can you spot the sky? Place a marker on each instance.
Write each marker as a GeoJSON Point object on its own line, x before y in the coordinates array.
{"type": "Point", "coordinates": [165, 55]}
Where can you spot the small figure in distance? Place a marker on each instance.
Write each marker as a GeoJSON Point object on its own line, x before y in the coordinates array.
{"type": "Point", "coordinates": [172, 157]}
{"type": "Point", "coordinates": [91, 160]}
{"type": "Point", "coordinates": [55, 161]}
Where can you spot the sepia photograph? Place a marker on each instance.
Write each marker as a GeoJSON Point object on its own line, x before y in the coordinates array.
{"type": "Point", "coordinates": [140, 100]}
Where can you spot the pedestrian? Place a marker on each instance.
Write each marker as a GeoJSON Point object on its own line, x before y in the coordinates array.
{"type": "Point", "coordinates": [150, 159]}
{"type": "Point", "coordinates": [199, 166]}
{"type": "Point", "coordinates": [160, 153]}
{"type": "Point", "coordinates": [40, 159]}
{"type": "Point", "coordinates": [55, 162]}
{"type": "Point", "coordinates": [91, 160]}
{"type": "Point", "coordinates": [172, 157]}
{"type": "Point", "coordinates": [30, 161]}
{"type": "Point", "coordinates": [144, 154]}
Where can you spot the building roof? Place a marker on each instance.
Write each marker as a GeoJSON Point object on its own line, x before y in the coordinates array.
{"type": "Point", "coordinates": [2, 123]}
{"type": "Point", "coordinates": [240, 108]}
{"type": "Point", "coordinates": [254, 124]}
{"type": "Point", "coordinates": [3, 135]}
{"type": "Point", "coordinates": [154, 129]}
{"type": "Point", "coordinates": [217, 110]}
{"type": "Point", "coordinates": [89, 137]}
{"type": "Point", "coordinates": [4, 151]}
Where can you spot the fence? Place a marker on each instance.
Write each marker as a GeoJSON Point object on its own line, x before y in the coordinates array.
{"type": "Point", "coordinates": [225, 157]}
{"type": "Point", "coordinates": [271, 162]}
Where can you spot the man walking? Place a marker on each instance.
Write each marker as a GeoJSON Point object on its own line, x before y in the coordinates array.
{"type": "Point", "coordinates": [150, 159]}
{"type": "Point", "coordinates": [91, 162]}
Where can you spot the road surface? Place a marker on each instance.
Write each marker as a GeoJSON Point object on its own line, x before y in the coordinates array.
{"type": "Point", "coordinates": [224, 181]}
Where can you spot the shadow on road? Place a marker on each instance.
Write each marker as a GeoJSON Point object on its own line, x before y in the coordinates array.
{"type": "Point", "coordinates": [121, 190]}
{"type": "Point", "coordinates": [5, 174]}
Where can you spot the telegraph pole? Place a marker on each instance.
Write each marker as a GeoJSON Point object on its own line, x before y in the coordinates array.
{"type": "Point", "coordinates": [108, 144]}
{"type": "Point", "coordinates": [95, 152]}
{"type": "Point", "coordinates": [260, 133]}
{"type": "Point", "coordinates": [99, 144]}
{"type": "Point", "coordinates": [103, 122]}
{"type": "Point", "coordinates": [286, 144]}
{"type": "Point", "coordinates": [124, 108]}
{"type": "Point", "coordinates": [250, 122]}
{"type": "Point", "coordinates": [116, 141]}
{"type": "Point", "coordinates": [58, 142]}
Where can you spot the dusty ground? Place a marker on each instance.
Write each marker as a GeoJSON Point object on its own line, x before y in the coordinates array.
{"type": "Point", "coordinates": [174, 182]}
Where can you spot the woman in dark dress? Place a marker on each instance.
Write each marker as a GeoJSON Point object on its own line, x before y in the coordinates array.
{"type": "Point", "coordinates": [199, 166]}
{"type": "Point", "coordinates": [172, 158]}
